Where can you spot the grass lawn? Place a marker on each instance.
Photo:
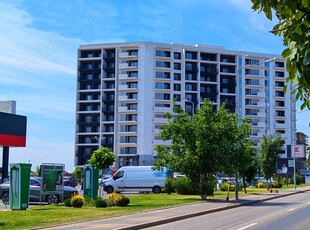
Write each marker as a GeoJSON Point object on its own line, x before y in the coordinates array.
{"type": "Point", "coordinates": [49, 215]}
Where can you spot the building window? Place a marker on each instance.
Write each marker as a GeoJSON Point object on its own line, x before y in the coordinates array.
{"type": "Point", "coordinates": [162, 85]}
{"type": "Point", "coordinates": [280, 113]}
{"type": "Point", "coordinates": [162, 53]}
{"type": "Point", "coordinates": [228, 58]}
{"type": "Point", "coordinates": [251, 71]}
{"type": "Point", "coordinates": [191, 55]}
{"type": "Point", "coordinates": [279, 64]}
{"type": "Point", "coordinates": [177, 97]}
{"type": "Point", "coordinates": [177, 87]}
{"type": "Point", "coordinates": [177, 55]}
{"type": "Point", "coordinates": [208, 57]}
{"type": "Point", "coordinates": [279, 74]}
{"type": "Point", "coordinates": [280, 103]}
{"type": "Point", "coordinates": [177, 76]}
{"type": "Point", "coordinates": [251, 61]}
{"type": "Point", "coordinates": [162, 96]}
{"type": "Point", "coordinates": [164, 75]}
{"type": "Point", "coordinates": [162, 64]}
{"type": "Point", "coordinates": [279, 94]}
{"type": "Point", "coordinates": [176, 66]}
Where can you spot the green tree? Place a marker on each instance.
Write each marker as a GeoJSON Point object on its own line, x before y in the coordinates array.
{"type": "Point", "coordinates": [38, 171]}
{"type": "Point", "coordinates": [77, 173]}
{"type": "Point", "coordinates": [269, 150]}
{"type": "Point", "coordinates": [102, 158]}
{"type": "Point", "coordinates": [240, 155]}
{"type": "Point", "coordinates": [197, 144]}
{"type": "Point", "coordinates": [294, 27]}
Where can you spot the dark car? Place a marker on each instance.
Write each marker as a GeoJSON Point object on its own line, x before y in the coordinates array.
{"type": "Point", "coordinates": [35, 191]}
{"type": "Point", "coordinates": [70, 181]}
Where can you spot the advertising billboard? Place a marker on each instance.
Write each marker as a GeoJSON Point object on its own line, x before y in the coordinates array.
{"type": "Point", "coordinates": [52, 178]}
{"type": "Point", "coordinates": [12, 130]}
{"type": "Point", "coordinates": [299, 151]}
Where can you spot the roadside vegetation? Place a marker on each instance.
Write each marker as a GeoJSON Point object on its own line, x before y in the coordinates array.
{"type": "Point", "coordinates": [52, 215]}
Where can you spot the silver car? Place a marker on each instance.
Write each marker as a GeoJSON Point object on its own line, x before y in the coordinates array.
{"type": "Point", "coordinates": [35, 191]}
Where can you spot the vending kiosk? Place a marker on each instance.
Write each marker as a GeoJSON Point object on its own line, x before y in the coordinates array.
{"type": "Point", "coordinates": [19, 185]}
{"type": "Point", "coordinates": [90, 181]}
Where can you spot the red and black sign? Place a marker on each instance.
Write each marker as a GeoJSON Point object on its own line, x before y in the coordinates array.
{"type": "Point", "coordinates": [12, 130]}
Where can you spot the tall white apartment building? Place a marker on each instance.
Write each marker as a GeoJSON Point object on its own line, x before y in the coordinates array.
{"type": "Point", "coordinates": [124, 90]}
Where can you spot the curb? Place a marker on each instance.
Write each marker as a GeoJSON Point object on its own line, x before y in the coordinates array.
{"type": "Point", "coordinates": [200, 213]}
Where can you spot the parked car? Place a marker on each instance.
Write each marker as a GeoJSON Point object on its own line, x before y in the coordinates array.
{"type": "Point", "coordinates": [70, 181]}
{"type": "Point", "coordinates": [35, 191]}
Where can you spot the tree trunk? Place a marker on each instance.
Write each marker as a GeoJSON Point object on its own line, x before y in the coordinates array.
{"type": "Point", "coordinates": [202, 189]}
{"type": "Point", "coordinates": [244, 187]}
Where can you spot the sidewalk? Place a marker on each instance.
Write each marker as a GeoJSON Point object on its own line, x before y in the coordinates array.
{"type": "Point", "coordinates": [166, 215]}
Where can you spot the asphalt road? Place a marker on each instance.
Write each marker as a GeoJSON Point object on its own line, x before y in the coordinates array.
{"type": "Point", "coordinates": [279, 214]}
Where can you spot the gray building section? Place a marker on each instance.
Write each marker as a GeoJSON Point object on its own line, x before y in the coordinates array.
{"type": "Point", "coordinates": [8, 107]}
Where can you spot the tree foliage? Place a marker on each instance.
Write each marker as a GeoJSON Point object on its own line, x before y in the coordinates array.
{"type": "Point", "coordinates": [294, 27]}
{"type": "Point", "coordinates": [77, 173]}
{"type": "Point", "coordinates": [102, 158]}
{"type": "Point", "coordinates": [270, 148]}
{"type": "Point", "coordinates": [38, 171]}
{"type": "Point", "coordinates": [240, 155]}
{"type": "Point", "coordinates": [198, 146]}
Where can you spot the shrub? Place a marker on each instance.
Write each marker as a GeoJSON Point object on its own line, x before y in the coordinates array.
{"type": "Point", "coordinates": [224, 187]}
{"type": "Point", "coordinates": [67, 202]}
{"type": "Point", "coordinates": [290, 181]}
{"type": "Point", "coordinates": [210, 185]}
{"type": "Point", "coordinates": [123, 202]}
{"type": "Point", "coordinates": [109, 203]}
{"type": "Point", "coordinates": [118, 199]}
{"type": "Point", "coordinates": [77, 201]}
{"type": "Point", "coordinates": [89, 202]}
{"type": "Point", "coordinates": [185, 186]}
{"type": "Point", "coordinates": [101, 203]}
{"type": "Point", "coordinates": [276, 184]}
{"type": "Point", "coordinates": [298, 179]}
{"type": "Point", "coordinates": [169, 187]}
{"type": "Point", "coordinates": [284, 181]}
{"type": "Point", "coordinates": [261, 185]}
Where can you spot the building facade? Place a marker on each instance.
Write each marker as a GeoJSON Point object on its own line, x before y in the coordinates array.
{"type": "Point", "coordinates": [124, 90]}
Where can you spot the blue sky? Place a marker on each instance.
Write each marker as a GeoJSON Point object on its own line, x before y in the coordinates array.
{"type": "Point", "coordinates": [39, 41]}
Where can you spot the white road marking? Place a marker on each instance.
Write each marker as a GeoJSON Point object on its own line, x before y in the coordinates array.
{"type": "Point", "coordinates": [245, 227]}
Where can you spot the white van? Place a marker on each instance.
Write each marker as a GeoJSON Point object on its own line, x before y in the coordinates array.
{"type": "Point", "coordinates": [137, 179]}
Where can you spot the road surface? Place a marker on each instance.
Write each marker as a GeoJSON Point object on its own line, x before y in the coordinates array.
{"type": "Point", "coordinates": [279, 214]}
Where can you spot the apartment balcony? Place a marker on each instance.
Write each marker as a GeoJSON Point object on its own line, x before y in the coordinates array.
{"type": "Point", "coordinates": [123, 76]}
{"type": "Point", "coordinates": [261, 114]}
{"type": "Point", "coordinates": [125, 98]}
{"type": "Point", "coordinates": [279, 126]}
{"type": "Point", "coordinates": [161, 142]}
{"type": "Point", "coordinates": [160, 120]}
{"type": "Point", "coordinates": [256, 135]}
{"type": "Point", "coordinates": [127, 55]}
{"type": "Point", "coordinates": [126, 66]}
{"type": "Point", "coordinates": [126, 88]}
{"type": "Point", "coordinates": [123, 109]}
{"type": "Point", "coordinates": [261, 94]}
{"type": "Point", "coordinates": [127, 145]}
{"type": "Point", "coordinates": [124, 132]}
{"type": "Point", "coordinates": [162, 109]}
{"type": "Point", "coordinates": [259, 124]}
{"type": "Point", "coordinates": [258, 104]}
